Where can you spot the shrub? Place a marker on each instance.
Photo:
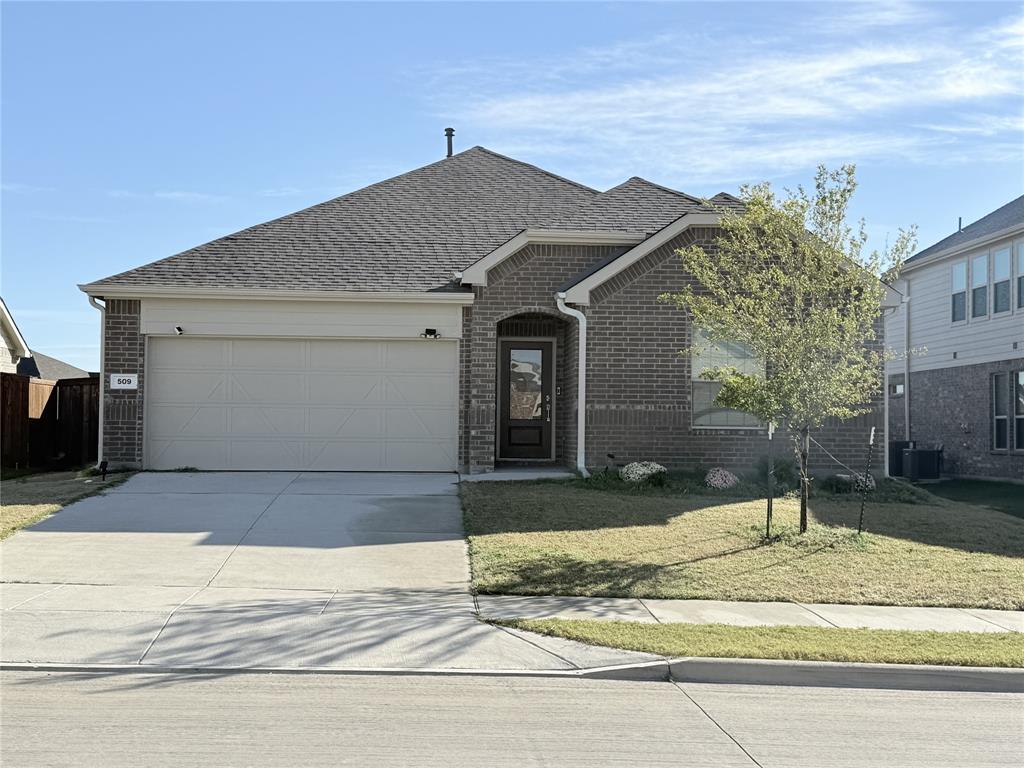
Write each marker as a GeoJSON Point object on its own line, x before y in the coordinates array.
{"type": "Point", "coordinates": [644, 472]}
{"type": "Point", "coordinates": [720, 478]}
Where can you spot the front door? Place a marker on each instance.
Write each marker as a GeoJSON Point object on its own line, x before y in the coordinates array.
{"type": "Point", "coordinates": [525, 408]}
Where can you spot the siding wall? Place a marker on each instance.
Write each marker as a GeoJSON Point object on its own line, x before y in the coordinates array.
{"type": "Point", "coordinates": [935, 338]}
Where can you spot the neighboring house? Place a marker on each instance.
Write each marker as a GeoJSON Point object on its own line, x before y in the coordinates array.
{"type": "Point", "coordinates": [432, 321]}
{"type": "Point", "coordinates": [14, 346]}
{"type": "Point", "coordinates": [40, 366]}
{"type": "Point", "coordinates": [962, 385]}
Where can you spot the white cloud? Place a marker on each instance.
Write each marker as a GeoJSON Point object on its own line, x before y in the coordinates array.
{"type": "Point", "coordinates": [173, 195]}
{"type": "Point", "coordinates": [734, 108]}
{"type": "Point", "coordinates": [23, 189]}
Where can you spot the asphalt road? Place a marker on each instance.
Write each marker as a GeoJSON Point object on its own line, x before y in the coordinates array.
{"type": "Point", "coordinates": [72, 719]}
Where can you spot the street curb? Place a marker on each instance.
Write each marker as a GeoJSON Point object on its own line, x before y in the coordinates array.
{"type": "Point", "coordinates": [830, 674]}
{"type": "Point", "coordinates": [650, 671]}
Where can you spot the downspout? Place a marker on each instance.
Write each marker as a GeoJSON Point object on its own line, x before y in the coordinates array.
{"type": "Point", "coordinates": [103, 344]}
{"type": "Point", "coordinates": [581, 384]}
{"type": "Point", "coordinates": [906, 362]}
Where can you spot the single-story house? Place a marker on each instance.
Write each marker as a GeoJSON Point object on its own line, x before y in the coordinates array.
{"type": "Point", "coordinates": [472, 312]}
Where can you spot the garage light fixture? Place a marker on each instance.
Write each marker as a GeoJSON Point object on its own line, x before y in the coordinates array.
{"type": "Point", "coordinates": [178, 330]}
{"type": "Point", "coordinates": [430, 333]}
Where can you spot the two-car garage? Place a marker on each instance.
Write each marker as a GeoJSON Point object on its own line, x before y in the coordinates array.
{"type": "Point", "coordinates": [299, 402]}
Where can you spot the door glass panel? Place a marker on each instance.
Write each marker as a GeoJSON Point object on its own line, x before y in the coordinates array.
{"type": "Point", "coordinates": [525, 378]}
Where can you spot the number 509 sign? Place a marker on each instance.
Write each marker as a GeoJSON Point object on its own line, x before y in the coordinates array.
{"type": "Point", "coordinates": [124, 381]}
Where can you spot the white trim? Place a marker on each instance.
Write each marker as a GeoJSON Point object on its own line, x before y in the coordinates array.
{"type": "Point", "coordinates": [103, 352]}
{"type": "Point", "coordinates": [580, 293]}
{"type": "Point", "coordinates": [143, 291]}
{"type": "Point", "coordinates": [581, 384]}
{"type": "Point", "coordinates": [22, 349]}
{"type": "Point", "coordinates": [1011, 231]}
{"type": "Point", "coordinates": [476, 273]}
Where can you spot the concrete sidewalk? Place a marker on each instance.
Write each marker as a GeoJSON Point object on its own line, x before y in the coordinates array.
{"type": "Point", "coordinates": [750, 614]}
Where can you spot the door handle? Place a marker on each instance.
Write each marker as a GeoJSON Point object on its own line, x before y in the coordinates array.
{"type": "Point", "coordinates": [547, 407]}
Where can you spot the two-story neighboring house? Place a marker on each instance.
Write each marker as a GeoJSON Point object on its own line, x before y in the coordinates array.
{"type": "Point", "coordinates": [958, 377]}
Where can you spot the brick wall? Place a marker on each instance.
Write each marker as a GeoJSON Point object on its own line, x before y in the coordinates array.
{"type": "Point", "coordinates": [952, 407]}
{"type": "Point", "coordinates": [638, 385]}
{"type": "Point", "coordinates": [525, 284]}
{"type": "Point", "coordinates": [124, 352]}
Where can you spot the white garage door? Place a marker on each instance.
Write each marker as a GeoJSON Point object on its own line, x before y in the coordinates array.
{"type": "Point", "coordinates": [327, 404]}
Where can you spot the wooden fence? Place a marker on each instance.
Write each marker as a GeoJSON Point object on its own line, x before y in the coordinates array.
{"type": "Point", "coordinates": [49, 424]}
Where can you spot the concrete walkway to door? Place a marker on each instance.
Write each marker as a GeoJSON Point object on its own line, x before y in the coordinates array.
{"type": "Point", "coordinates": [261, 569]}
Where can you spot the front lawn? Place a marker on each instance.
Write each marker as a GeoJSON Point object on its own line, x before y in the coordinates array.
{"type": "Point", "coordinates": [877, 646]}
{"type": "Point", "coordinates": [1001, 496]}
{"type": "Point", "coordinates": [29, 499]}
{"type": "Point", "coordinates": [575, 538]}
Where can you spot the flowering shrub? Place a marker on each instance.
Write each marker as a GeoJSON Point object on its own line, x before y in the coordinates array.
{"type": "Point", "coordinates": [643, 472]}
{"type": "Point", "coordinates": [720, 478]}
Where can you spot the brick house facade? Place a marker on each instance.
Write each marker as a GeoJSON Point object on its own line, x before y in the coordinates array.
{"type": "Point", "coordinates": [639, 400]}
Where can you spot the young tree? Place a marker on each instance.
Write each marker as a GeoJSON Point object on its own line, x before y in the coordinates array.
{"type": "Point", "coordinates": [789, 279]}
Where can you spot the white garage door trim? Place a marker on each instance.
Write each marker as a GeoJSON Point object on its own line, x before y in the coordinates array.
{"type": "Point", "coordinates": [323, 403]}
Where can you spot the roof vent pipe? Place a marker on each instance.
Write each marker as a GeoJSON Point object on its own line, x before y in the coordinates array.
{"type": "Point", "coordinates": [959, 221]}
{"type": "Point", "coordinates": [449, 133]}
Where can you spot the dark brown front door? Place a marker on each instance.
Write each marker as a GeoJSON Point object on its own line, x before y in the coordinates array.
{"type": "Point", "coordinates": [525, 408]}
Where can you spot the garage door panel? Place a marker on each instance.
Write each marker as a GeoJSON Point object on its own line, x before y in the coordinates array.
{"type": "Point", "coordinates": [335, 404]}
{"type": "Point", "coordinates": [186, 452]}
{"type": "Point", "coordinates": [186, 387]}
{"type": "Point", "coordinates": [416, 357]}
{"type": "Point", "coordinates": [345, 388]}
{"type": "Point", "coordinates": [417, 422]}
{"type": "Point", "coordinates": [263, 419]}
{"type": "Point", "coordinates": [193, 420]}
{"type": "Point", "coordinates": [267, 355]}
{"type": "Point", "coordinates": [416, 388]}
{"type": "Point", "coordinates": [266, 454]}
{"type": "Point", "coordinates": [329, 355]}
{"type": "Point", "coordinates": [266, 387]}
{"type": "Point", "coordinates": [197, 354]}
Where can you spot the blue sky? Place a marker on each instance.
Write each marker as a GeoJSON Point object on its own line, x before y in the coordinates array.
{"type": "Point", "coordinates": [132, 131]}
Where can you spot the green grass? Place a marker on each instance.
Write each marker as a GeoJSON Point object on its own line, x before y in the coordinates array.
{"type": "Point", "coordinates": [1001, 496]}
{"type": "Point", "coordinates": [576, 537]}
{"type": "Point", "coordinates": [972, 649]}
{"type": "Point", "coordinates": [32, 498]}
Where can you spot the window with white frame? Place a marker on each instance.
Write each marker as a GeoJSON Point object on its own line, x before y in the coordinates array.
{"type": "Point", "coordinates": [707, 355]}
{"type": "Point", "coordinates": [1001, 281]}
{"type": "Point", "coordinates": [979, 286]}
{"type": "Point", "coordinates": [959, 292]}
{"type": "Point", "coordinates": [1000, 411]}
{"type": "Point", "coordinates": [1018, 412]}
{"type": "Point", "coordinates": [1020, 276]}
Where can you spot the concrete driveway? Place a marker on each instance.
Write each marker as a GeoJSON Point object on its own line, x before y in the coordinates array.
{"type": "Point", "coordinates": [259, 569]}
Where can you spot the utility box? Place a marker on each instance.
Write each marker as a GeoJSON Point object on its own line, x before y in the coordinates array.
{"type": "Point", "coordinates": [896, 448]}
{"type": "Point", "coordinates": [920, 464]}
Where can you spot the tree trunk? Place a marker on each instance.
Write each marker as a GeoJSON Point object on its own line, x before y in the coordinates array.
{"type": "Point", "coordinates": [805, 480]}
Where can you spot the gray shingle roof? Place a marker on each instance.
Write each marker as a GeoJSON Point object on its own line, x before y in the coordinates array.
{"type": "Point", "coordinates": [408, 233]}
{"type": "Point", "coordinates": [1002, 218]}
{"type": "Point", "coordinates": [636, 205]}
{"type": "Point", "coordinates": [50, 368]}
{"type": "Point", "coordinates": [412, 232]}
